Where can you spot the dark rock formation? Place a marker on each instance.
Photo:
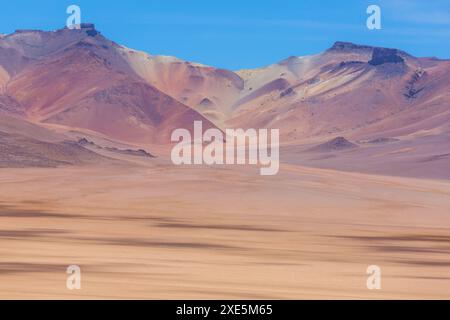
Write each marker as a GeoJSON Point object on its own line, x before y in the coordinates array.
{"type": "Point", "coordinates": [288, 92]}
{"type": "Point", "coordinates": [413, 87]}
{"type": "Point", "coordinates": [206, 103]}
{"type": "Point", "coordinates": [383, 55]}
{"type": "Point", "coordinates": [348, 46]}
{"type": "Point", "coordinates": [87, 26]}
{"type": "Point", "coordinates": [83, 142]}
{"type": "Point", "coordinates": [130, 152]}
{"type": "Point", "coordinates": [336, 144]}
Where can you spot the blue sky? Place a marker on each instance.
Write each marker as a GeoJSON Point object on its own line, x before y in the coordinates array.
{"type": "Point", "coordinates": [245, 34]}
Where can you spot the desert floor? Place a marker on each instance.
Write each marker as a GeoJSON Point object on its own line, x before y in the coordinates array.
{"type": "Point", "coordinates": [159, 231]}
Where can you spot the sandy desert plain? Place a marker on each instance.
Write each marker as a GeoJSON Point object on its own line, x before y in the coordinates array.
{"type": "Point", "coordinates": [156, 231]}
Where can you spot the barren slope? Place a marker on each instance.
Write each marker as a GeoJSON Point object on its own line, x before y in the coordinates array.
{"type": "Point", "coordinates": [87, 84]}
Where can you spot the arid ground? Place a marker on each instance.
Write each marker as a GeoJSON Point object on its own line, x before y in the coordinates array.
{"type": "Point", "coordinates": [156, 231]}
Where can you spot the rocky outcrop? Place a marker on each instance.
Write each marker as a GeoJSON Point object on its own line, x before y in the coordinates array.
{"type": "Point", "coordinates": [348, 46]}
{"type": "Point", "coordinates": [140, 152]}
{"type": "Point", "coordinates": [413, 87]}
{"type": "Point", "coordinates": [87, 26]}
{"type": "Point", "coordinates": [384, 55]}
{"type": "Point", "coordinates": [336, 144]}
{"type": "Point", "coordinates": [206, 103]}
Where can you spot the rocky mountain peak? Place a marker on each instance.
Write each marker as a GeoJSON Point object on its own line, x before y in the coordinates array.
{"type": "Point", "coordinates": [348, 46]}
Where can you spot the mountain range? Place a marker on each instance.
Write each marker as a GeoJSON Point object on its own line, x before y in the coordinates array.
{"type": "Point", "coordinates": [352, 107]}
